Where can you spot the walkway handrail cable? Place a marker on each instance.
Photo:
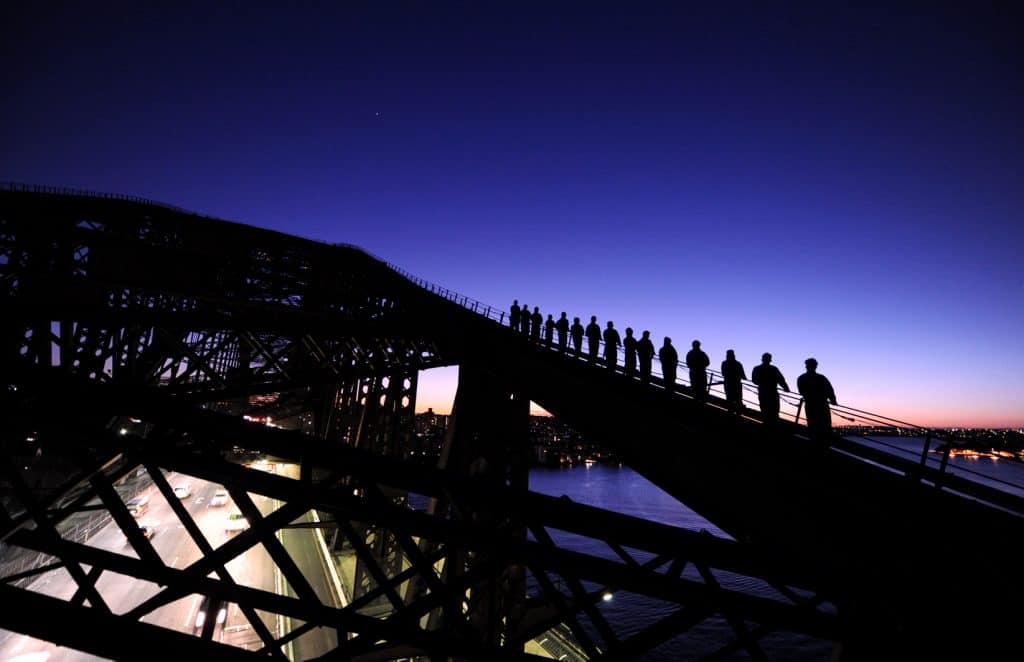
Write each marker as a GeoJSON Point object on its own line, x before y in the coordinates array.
{"type": "Point", "coordinates": [20, 187]}
{"type": "Point", "coordinates": [499, 316]}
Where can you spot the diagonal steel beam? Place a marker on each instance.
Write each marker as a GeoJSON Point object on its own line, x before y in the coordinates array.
{"type": "Point", "coordinates": [56, 621]}
{"type": "Point", "coordinates": [206, 549]}
{"type": "Point", "coordinates": [45, 528]}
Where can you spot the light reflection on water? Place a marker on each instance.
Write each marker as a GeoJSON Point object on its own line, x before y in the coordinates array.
{"type": "Point", "coordinates": [1001, 473]}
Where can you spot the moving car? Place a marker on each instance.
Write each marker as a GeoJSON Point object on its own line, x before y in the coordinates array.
{"type": "Point", "coordinates": [220, 498]}
{"type": "Point", "coordinates": [236, 522]}
{"type": "Point", "coordinates": [148, 530]}
{"type": "Point", "coordinates": [183, 491]}
{"type": "Point", "coordinates": [211, 607]}
{"type": "Point", "coordinates": [138, 506]}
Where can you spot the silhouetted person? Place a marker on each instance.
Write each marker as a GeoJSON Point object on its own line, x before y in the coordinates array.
{"type": "Point", "coordinates": [593, 338]}
{"type": "Point", "coordinates": [513, 315]}
{"type": "Point", "coordinates": [611, 346]}
{"type": "Point", "coordinates": [577, 335]}
{"type": "Point", "coordinates": [645, 352]}
{"type": "Point", "coordinates": [733, 376]}
{"type": "Point", "coordinates": [697, 361]}
{"type": "Point", "coordinates": [817, 393]}
{"type": "Point", "coordinates": [669, 362]}
{"type": "Point", "coordinates": [768, 380]}
{"type": "Point", "coordinates": [562, 326]}
{"type": "Point", "coordinates": [629, 347]}
{"type": "Point", "coordinates": [549, 330]}
{"type": "Point", "coordinates": [536, 322]}
{"type": "Point", "coordinates": [524, 321]}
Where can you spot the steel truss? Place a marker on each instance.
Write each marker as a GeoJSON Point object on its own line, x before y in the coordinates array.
{"type": "Point", "coordinates": [135, 336]}
{"type": "Point", "coordinates": [694, 574]}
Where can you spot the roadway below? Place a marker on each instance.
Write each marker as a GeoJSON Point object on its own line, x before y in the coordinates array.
{"type": "Point", "coordinates": [176, 548]}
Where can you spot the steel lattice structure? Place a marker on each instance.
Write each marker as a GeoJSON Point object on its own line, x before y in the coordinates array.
{"type": "Point", "coordinates": [141, 337]}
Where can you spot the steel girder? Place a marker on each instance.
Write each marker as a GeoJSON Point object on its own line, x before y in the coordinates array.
{"type": "Point", "coordinates": [142, 294]}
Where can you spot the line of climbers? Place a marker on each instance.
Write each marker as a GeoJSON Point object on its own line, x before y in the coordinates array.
{"type": "Point", "coordinates": [815, 388]}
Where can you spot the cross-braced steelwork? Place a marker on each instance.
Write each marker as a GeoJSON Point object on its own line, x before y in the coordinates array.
{"type": "Point", "coordinates": [153, 359]}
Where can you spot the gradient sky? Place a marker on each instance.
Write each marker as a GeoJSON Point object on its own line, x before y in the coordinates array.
{"type": "Point", "coordinates": [811, 181]}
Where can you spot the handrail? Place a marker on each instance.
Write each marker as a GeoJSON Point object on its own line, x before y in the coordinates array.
{"type": "Point", "coordinates": [19, 187]}
{"type": "Point", "coordinates": [788, 400]}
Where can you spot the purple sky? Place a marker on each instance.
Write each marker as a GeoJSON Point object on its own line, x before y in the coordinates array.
{"type": "Point", "coordinates": [814, 181]}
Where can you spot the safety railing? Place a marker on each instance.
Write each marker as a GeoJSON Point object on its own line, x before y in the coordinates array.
{"type": "Point", "coordinates": [918, 464]}
{"type": "Point", "coordinates": [82, 193]}
{"type": "Point", "coordinates": [21, 566]}
{"type": "Point", "coordinates": [19, 563]}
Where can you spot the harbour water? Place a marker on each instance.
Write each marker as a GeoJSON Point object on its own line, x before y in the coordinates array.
{"type": "Point", "coordinates": [623, 490]}
{"type": "Point", "coordinates": [1001, 473]}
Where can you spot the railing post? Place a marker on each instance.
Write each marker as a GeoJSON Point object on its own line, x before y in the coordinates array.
{"type": "Point", "coordinates": [924, 455]}
{"type": "Point", "coordinates": [943, 464]}
{"type": "Point", "coordinates": [799, 406]}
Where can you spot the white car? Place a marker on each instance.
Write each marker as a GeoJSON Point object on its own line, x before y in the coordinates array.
{"type": "Point", "coordinates": [236, 522]}
{"type": "Point", "coordinates": [220, 498]}
{"type": "Point", "coordinates": [183, 491]}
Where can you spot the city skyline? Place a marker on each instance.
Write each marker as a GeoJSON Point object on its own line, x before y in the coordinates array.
{"type": "Point", "coordinates": [815, 181]}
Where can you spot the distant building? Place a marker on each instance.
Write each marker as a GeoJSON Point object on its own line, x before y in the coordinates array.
{"type": "Point", "coordinates": [552, 442]}
{"type": "Point", "coordinates": [428, 436]}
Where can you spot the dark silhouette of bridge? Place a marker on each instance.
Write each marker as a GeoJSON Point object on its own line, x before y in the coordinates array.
{"type": "Point", "coordinates": [135, 334]}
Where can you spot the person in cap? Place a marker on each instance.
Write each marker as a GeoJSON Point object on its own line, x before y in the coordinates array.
{"type": "Point", "coordinates": [817, 393]}
{"type": "Point", "coordinates": [768, 379]}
